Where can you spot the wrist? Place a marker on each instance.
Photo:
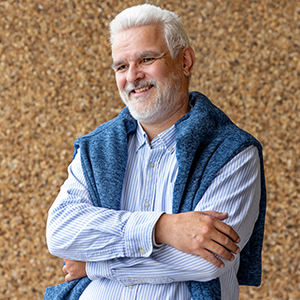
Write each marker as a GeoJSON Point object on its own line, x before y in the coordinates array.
{"type": "Point", "coordinates": [162, 229]}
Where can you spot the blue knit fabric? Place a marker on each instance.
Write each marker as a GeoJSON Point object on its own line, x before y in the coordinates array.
{"type": "Point", "coordinates": [67, 290]}
{"type": "Point", "coordinates": [206, 141]}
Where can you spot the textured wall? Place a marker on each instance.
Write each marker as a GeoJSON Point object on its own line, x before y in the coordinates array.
{"type": "Point", "coordinates": [56, 84]}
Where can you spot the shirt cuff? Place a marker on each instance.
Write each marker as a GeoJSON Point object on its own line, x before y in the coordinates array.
{"type": "Point", "coordinates": [139, 234]}
{"type": "Point", "coordinates": [96, 270]}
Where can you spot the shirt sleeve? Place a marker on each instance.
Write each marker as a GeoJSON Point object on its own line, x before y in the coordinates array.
{"type": "Point", "coordinates": [236, 190]}
{"type": "Point", "coordinates": [78, 230]}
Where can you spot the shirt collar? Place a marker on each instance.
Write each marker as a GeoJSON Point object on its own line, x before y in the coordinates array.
{"type": "Point", "coordinates": [141, 136]}
{"type": "Point", "coordinates": [166, 139]}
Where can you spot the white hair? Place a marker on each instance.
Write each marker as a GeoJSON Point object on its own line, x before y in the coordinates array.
{"type": "Point", "coordinates": [147, 14]}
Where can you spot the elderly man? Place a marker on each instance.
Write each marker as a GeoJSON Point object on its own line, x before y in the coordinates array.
{"type": "Point", "coordinates": [159, 201]}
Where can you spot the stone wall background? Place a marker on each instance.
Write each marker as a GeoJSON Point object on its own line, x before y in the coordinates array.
{"type": "Point", "coordinates": [56, 85]}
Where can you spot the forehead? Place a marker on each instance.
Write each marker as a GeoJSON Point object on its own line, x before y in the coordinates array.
{"type": "Point", "coordinates": [131, 42]}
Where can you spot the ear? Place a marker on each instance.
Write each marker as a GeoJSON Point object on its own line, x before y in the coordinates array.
{"type": "Point", "coordinates": [188, 58]}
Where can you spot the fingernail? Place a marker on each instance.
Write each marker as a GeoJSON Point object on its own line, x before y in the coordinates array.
{"type": "Point", "coordinates": [237, 251]}
{"type": "Point", "coordinates": [238, 240]}
{"type": "Point", "coordinates": [232, 258]}
{"type": "Point", "coordinates": [222, 265]}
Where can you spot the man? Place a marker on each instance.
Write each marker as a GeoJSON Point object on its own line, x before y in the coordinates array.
{"type": "Point", "coordinates": [158, 198]}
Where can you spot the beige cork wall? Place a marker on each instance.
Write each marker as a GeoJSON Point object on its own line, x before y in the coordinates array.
{"type": "Point", "coordinates": [56, 85]}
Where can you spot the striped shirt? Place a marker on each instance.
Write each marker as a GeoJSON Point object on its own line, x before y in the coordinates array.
{"type": "Point", "coordinates": [123, 262]}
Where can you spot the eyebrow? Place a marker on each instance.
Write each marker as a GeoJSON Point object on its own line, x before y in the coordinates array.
{"type": "Point", "coordinates": [145, 54]}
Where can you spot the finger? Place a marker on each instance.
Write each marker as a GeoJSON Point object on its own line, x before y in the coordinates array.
{"type": "Point", "coordinates": [221, 251]}
{"type": "Point", "coordinates": [64, 269]}
{"type": "Point", "coordinates": [226, 243]}
{"type": "Point", "coordinates": [210, 257]}
{"type": "Point", "coordinates": [217, 244]}
{"type": "Point", "coordinates": [68, 278]}
{"type": "Point", "coordinates": [216, 215]}
{"type": "Point", "coordinates": [228, 231]}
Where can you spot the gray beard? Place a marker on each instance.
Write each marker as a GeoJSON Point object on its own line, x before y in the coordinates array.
{"type": "Point", "coordinates": [167, 101]}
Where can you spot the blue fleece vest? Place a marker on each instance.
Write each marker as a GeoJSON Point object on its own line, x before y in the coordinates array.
{"type": "Point", "coordinates": [206, 141]}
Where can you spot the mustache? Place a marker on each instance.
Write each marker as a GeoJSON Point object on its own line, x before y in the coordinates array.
{"type": "Point", "coordinates": [139, 84]}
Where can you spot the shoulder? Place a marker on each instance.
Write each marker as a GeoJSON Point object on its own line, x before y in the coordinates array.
{"type": "Point", "coordinates": [109, 131]}
{"type": "Point", "coordinates": [206, 123]}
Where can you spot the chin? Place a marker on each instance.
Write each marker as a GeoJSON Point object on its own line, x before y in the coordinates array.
{"type": "Point", "coordinates": [147, 118]}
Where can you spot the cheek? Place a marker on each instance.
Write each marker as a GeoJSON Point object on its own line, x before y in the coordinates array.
{"type": "Point", "coordinates": [161, 72]}
{"type": "Point", "coordinates": [120, 80]}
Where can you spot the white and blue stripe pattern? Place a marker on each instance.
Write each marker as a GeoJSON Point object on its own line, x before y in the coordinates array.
{"type": "Point", "coordinates": [122, 261]}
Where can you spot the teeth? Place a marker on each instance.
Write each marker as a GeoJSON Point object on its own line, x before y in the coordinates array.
{"type": "Point", "coordinates": [143, 89]}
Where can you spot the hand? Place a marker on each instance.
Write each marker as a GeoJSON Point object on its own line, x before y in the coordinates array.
{"type": "Point", "coordinates": [199, 233]}
{"type": "Point", "coordinates": [74, 269]}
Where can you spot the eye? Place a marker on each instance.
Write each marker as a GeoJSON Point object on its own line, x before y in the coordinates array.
{"type": "Point", "coordinates": [120, 68]}
{"type": "Point", "coordinates": [148, 60]}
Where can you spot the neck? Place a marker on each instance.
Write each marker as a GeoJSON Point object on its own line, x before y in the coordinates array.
{"type": "Point", "coordinates": [154, 129]}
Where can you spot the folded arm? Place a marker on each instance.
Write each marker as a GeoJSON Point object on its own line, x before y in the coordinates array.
{"type": "Point", "coordinates": [235, 190]}
{"type": "Point", "coordinates": [77, 230]}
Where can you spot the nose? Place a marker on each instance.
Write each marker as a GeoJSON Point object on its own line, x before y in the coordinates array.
{"type": "Point", "coordinates": [134, 73]}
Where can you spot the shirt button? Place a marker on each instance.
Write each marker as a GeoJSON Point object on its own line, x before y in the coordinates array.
{"type": "Point", "coordinates": [147, 204]}
{"type": "Point", "coordinates": [170, 148]}
{"type": "Point", "coordinates": [131, 286]}
{"type": "Point", "coordinates": [142, 251]}
{"type": "Point", "coordinates": [151, 165]}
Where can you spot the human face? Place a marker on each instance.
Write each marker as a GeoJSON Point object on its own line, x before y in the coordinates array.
{"type": "Point", "coordinates": [149, 81]}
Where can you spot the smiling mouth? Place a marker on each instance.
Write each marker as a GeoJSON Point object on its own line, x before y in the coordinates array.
{"type": "Point", "coordinates": [142, 89]}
